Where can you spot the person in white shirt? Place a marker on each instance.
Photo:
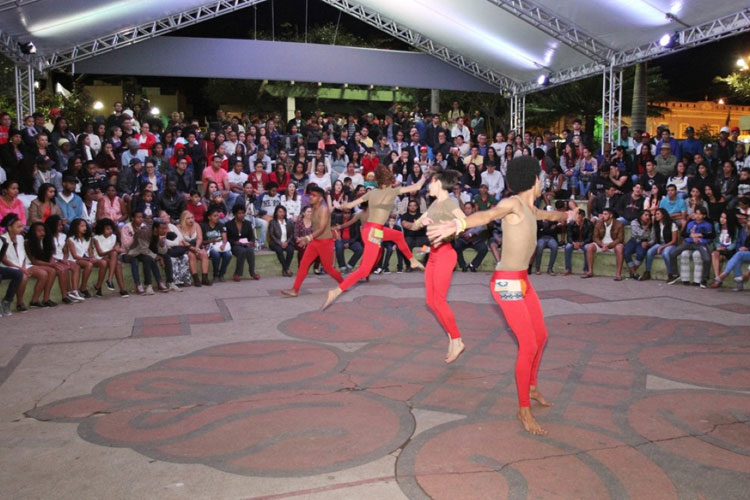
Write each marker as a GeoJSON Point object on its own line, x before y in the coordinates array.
{"type": "Point", "coordinates": [236, 177]}
{"type": "Point", "coordinates": [460, 129]}
{"type": "Point", "coordinates": [499, 144]}
{"type": "Point", "coordinates": [356, 177]}
{"type": "Point", "coordinates": [230, 145]}
{"type": "Point", "coordinates": [494, 180]}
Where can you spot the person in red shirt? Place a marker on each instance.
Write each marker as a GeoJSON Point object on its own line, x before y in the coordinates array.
{"type": "Point", "coordinates": [195, 206]}
{"type": "Point", "coordinates": [146, 139]}
{"type": "Point", "coordinates": [370, 162]}
{"type": "Point", "coordinates": [5, 122]}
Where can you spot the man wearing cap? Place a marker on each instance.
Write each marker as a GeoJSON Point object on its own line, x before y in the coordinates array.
{"type": "Point", "coordinates": [734, 134]}
{"type": "Point", "coordinates": [691, 145]}
{"type": "Point", "coordinates": [666, 161]}
{"type": "Point", "coordinates": [666, 138]}
{"type": "Point", "coordinates": [133, 151]}
{"type": "Point", "coordinates": [45, 174]}
{"type": "Point", "coordinates": [724, 147]}
{"type": "Point", "coordinates": [71, 205]}
{"type": "Point", "coordinates": [64, 154]}
{"type": "Point", "coordinates": [645, 142]}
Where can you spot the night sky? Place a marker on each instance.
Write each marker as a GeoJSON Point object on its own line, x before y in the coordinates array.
{"type": "Point", "coordinates": [690, 72]}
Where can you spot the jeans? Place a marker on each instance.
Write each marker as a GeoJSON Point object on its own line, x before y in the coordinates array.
{"type": "Point", "coordinates": [479, 246]}
{"type": "Point", "coordinates": [243, 254]}
{"type": "Point", "coordinates": [150, 267]}
{"type": "Point", "coordinates": [167, 260]}
{"type": "Point", "coordinates": [735, 264]}
{"type": "Point", "coordinates": [220, 260]}
{"type": "Point", "coordinates": [583, 187]}
{"type": "Point", "coordinates": [261, 228]}
{"type": "Point", "coordinates": [541, 244]}
{"type": "Point", "coordinates": [634, 246]}
{"type": "Point", "coordinates": [285, 255]}
{"type": "Point", "coordinates": [705, 257]}
{"type": "Point", "coordinates": [388, 247]}
{"type": "Point", "coordinates": [356, 248]}
{"type": "Point", "coordinates": [651, 254]}
{"type": "Point", "coordinates": [15, 276]}
{"type": "Point", "coordinates": [569, 249]}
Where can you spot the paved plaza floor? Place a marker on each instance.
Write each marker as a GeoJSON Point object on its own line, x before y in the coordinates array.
{"type": "Point", "coordinates": [233, 392]}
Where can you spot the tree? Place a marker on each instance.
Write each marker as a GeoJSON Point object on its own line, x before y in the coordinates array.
{"type": "Point", "coordinates": [7, 86]}
{"type": "Point", "coordinates": [738, 82]}
{"type": "Point", "coordinates": [640, 98]}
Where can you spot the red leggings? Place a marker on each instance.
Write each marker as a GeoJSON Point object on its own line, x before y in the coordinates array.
{"type": "Point", "coordinates": [514, 294]}
{"type": "Point", "coordinates": [322, 249]}
{"type": "Point", "coordinates": [437, 280]}
{"type": "Point", "coordinates": [372, 252]}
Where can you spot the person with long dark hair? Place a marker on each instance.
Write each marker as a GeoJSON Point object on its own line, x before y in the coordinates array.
{"type": "Point", "coordinates": [665, 232]}
{"type": "Point", "coordinates": [380, 205]}
{"type": "Point", "coordinates": [45, 204]}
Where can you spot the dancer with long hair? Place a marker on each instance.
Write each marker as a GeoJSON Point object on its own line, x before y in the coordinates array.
{"type": "Point", "coordinates": [380, 205]}
{"type": "Point", "coordinates": [510, 285]}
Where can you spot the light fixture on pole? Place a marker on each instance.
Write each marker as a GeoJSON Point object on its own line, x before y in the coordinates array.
{"type": "Point", "coordinates": [98, 105]}
{"type": "Point", "coordinates": [669, 40]}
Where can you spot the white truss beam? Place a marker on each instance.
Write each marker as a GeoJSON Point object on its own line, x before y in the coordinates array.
{"type": "Point", "coordinates": [142, 32]}
{"type": "Point", "coordinates": [708, 32]}
{"type": "Point", "coordinates": [424, 44]}
{"type": "Point", "coordinates": [9, 47]}
{"type": "Point", "coordinates": [611, 103]}
{"type": "Point", "coordinates": [518, 113]}
{"type": "Point", "coordinates": [557, 28]}
{"type": "Point", "coordinates": [12, 4]}
{"type": "Point", "coordinates": [25, 98]}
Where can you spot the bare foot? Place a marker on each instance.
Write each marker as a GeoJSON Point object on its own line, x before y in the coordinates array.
{"type": "Point", "coordinates": [290, 293]}
{"type": "Point", "coordinates": [415, 264]}
{"type": "Point", "coordinates": [455, 350]}
{"type": "Point", "coordinates": [529, 422]}
{"type": "Point", "coordinates": [536, 395]}
{"type": "Point", "coordinates": [332, 295]}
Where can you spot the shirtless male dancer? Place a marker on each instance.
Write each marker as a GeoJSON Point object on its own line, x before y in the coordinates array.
{"type": "Point", "coordinates": [319, 244]}
{"type": "Point", "coordinates": [510, 285]}
{"type": "Point", "coordinates": [380, 205]}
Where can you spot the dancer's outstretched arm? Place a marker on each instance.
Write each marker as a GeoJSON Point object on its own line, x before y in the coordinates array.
{"type": "Point", "coordinates": [414, 187]}
{"type": "Point", "coordinates": [443, 230]}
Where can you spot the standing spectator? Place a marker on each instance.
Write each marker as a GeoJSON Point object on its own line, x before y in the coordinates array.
{"type": "Point", "coordinates": [691, 145]}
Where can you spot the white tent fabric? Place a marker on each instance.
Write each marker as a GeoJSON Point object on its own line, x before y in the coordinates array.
{"type": "Point", "coordinates": [514, 40]}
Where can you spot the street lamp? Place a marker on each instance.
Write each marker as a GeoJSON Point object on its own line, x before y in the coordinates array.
{"type": "Point", "coordinates": [155, 111]}
{"type": "Point", "coordinates": [98, 105]}
{"type": "Point", "coordinates": [742, 63]}
{"type": "Point", "coordinates": [721, 101]}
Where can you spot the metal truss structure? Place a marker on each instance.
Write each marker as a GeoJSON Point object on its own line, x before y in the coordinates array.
{"type": "Point", "coordinates": [611, 103]}
{"type": "Point", "coordinates": [10, 48]}
{"type": "Point", "coordinates": [518, 113]}
{"type": "Point", "coordinates": [424, 44]}
{"type": "Point", "coordinates": [25, 98]}
{"type": "Point", "coordinates": [142, 32]}
{"type": "Point", "coordinates": [687, 38]}
{"type": "Point", "coordinates": [557, 28]}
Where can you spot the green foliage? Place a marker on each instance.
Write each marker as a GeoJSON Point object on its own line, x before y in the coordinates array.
{"type": "Point", "coordinates": [77, 108]}
{"type": "Point", "coordinates": [738, 82]}
{"type": "Point", "coordinates": [7, 87]}
{"type": "Point", "coordinates": [704, 134]}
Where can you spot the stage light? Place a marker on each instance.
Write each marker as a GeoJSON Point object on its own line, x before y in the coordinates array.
{"type": "Point", "coordinates": [98, 105]}
{"type": "Point", "coordinates": [291, 82]}
{"type": "Point", "coordinates": [320, 84]}
{"type": "Point", "coordinates": [542, 80]}
{"type": "Point", "coordinates": [27, 48]}
{"type": "Point", "coordinates": [155, 111]}
{"type": "Point", "coordinates": [721, 101]}
{"type": "Point", "coordinates": [372, 87]}
{"type": "Point", "coordinates": [669, 41]}
{"type": "Point", "coordinates": [346, 85]}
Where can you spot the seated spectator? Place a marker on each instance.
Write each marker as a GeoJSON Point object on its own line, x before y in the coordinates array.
{"type": "Point", "coordinates": [267, 202]}
{"type": "Point", "coordinates": [151, 176]}
{"type": "Point", "coordinates": [13, 275]}
{"type": "Point", "coordinates": [630, 205]}
{"type": "Point", "coordinates": [78, 246]}
{"type": "Point", "coordinates": [675, 206]}
{"type": "Point", "coordinates": [10, 203]}
{"type": "Point", "coordinates": [135, 239]}
{"type": "Point", "coordinates": [281, 177]}
{"type": "Point", "coordinates": [190, 236]}
{"type": "Point", "coordinates": [473, 238]}
{"type": "Point", "coordinates": [215, 243]}
{"type": "Point", "coordinates": [300, 178]}
{"type": "Point", "coordinates": [105, 248]}
{"type": "Point", "coordinates": [196, 207]}
{"type": "Point", "coordinates": [558, 186]}
{"type": "Point", "coordinates": [743, 183]}
{"type": "Point", "coordinates": [320, 177]}
{"type": "Point", "coordinates": [642, 237]}
{"type": "Point", "coordinates": [45, 204]}
{"type": "Point", "coordinates": [132, 153]}
{"type": "Point", "coordinates": [147, 205]}
{"type": "Point", "coordinates": [546, 237]}
{"type": "Point", "coordinates": [471, 180]}
{"type": "Point", "coordinates": [652, 177]}
{"type": "Point", "coordinates": [163, 245]}
{"type": "Point", "coordinates": [129, 180]}
{"type": "Point", "coordinates": [15, 258]}
{"type": "Point", "coordinates": [68, 272]}
{"type": "Point", "coordinates": [414, 235]}
{"type": "Point", "coordinates": [587, 168]}
{"type": "Point", "coordinates": [739, 259]}
{"type": "Point", "coordinates": [698, 234]}
{"type": "Point", "coordinates": [216, 174]}
{"type": "Point", "coordinates": [40, 248]}
{"type": "Point", "coordinates": [666, 161]}
{"type": "Point", "coordinates": [112, 207]}
{"type": "Point", "coordinates": [680, 180]}
{"type": "Point", "coordinates": [580, 234]}
{"type": "Point", "coordinates": [281, 239]}
{"type": "Point", "coordinates": [494, 181]}
{"type": "Point", "coordinates": [608, 237]}
{"type": "Point", "coordinates": [483, 200]}
{"type": "Point", "coordinates": [347, 236]}
{"type": "Point", "coordinates": [653, 199]}
{"type": "Point", "coordinates": [606, 200]}
{"type": "Point", "coordinates": [665, 234]}
{"type": "Point", "coordinates": [715, 201]}
{"type": "Point", "coordinates": [91, 177]}
{"type": "Point", "coordinates": [725, 242]}
{"type": "Point", "coordinates": [241, 237]}
{"type": "Point", "coordinates": [171, 201]}
{"type": "Point", "coordinates": [108, 161]}
{"type": "Point", "coordinates": [45, 174]}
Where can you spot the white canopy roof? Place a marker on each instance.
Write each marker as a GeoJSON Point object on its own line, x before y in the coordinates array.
{"type": "Point", "coordinates": [507, 43]}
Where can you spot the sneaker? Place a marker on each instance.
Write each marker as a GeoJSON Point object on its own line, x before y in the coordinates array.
{"type": "Point", "coordinates": [139, 290]}
{"type": "Point", "coordinates": [738, 286]}
{"type": "Point", "coordinates": [673, 279]}
{"type": "Point", "coordinates": [399, 271]}
{"type": "Point", "coordinates": [110, 286]}
{"type": "Point", "coordinates": [5, 308]}
{"type": "Point", "coordinates": [472, 268]}
{"type": "Point", "coordinates": [21, 308]}
{"type": "Point", "coordinates": [65, 300]}
{"type": "Point", "coordinates": [38, 304]}
{"type": "Point", "coordinates": [85, 294]}
{"type": "Point", "coordinates": [386, 271]}
{"type": "Point", "coordinates": [162, 288]}
{"type": "Point", "coordinates": [174, 288]}
{"type": "Point", "coordinates": [74, 297]}
{"type": "Point", "coordinates": [645, 276]}
{"type": "Point", "coordinates": [378, 271]}
{"type": "Point", "coordinates": [464, 269]}
{"type": "Point", "coordinates": [49, 303]}
{"type": "Point", "coordinates": [98, 292]}
{"type": "Point", "coordinates": [704, 284]}
{"type": "Point", "coordinates": [149, 290]}
{"type": "Point", "coordinates": [124, 294]}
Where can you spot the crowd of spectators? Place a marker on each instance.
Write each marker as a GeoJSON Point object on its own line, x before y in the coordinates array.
{"type": "Point", "coordinates": [178, 201]}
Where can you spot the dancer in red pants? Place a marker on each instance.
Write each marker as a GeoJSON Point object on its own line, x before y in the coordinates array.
{"type": "Point", "coordinates": [380, 204]}
{"type": "Point", "coordinates": [318, 244]}
{"type": "Point", "coordinates": [510, 284]}
{"type": "Point", "coordinates": [439, 272]}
